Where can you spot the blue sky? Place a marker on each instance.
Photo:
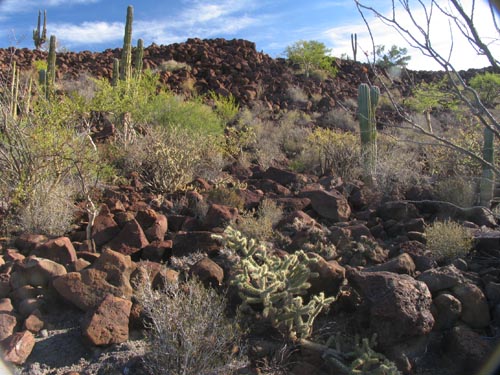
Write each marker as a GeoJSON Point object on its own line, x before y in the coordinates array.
{"type": "Point", "coordinates": [272, 24]}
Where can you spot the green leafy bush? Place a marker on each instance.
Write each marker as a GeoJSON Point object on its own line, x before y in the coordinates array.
{"type": "Point", "coordinates": [448, 240]}
{"type": "Point", "coordinates": [189, 331]}
{"type": "Point", "coordinates": [311, 55]}
{"type": "Point", "coordinates": [488, 87]}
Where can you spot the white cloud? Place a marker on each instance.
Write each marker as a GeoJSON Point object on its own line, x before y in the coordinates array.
{"type": "Point", "coordinates": [87, 32]}
{"type": "Point", "coordinates": [441, 35]}
{"type": "Point", "coordinates": [197, 19]}
{"type": "Point", "coordinates": [15, 6]}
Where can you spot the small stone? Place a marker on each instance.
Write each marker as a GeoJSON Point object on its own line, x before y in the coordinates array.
{"type": "Point", "coordinates": [18, 347]}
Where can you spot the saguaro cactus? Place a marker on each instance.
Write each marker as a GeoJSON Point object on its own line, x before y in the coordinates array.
{"type": "Point", "coordinates": [116, 72]}
{"type": "Point", "coordinates": [368, 98]}
{"type": "Point", "coordinates": [354, 45]}
{"type": "Point", "coordinates": [40, 35]}
{"type": "Point", "coordinates": [138, 56]}
{"type": "Point", "coordinates": [126, 60]}
{"type": "Point", "coordinates": [487, 179]}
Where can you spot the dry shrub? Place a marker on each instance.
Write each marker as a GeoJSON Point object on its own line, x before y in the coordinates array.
{"type": "Point", "coordinates": [49, 209]}
{"type": "Point", "coordinates": [168, 158]}
{"type": "Point", "coordinates": [339, 119]}
{"type": "Point", "coordinates": [448, 240]}
{"type": "Point", "coordinates": [189, 331]}
{"type": "Point", "coordinates": [330, 151]}
{"type": "Point", "coordinates": [399, 166]}
{"type": "Point", "coordinates": [457, 190]}
{"type": "Point", "coordinates": [260, 224]}
{"type": "Point", "coordinates": [173, 66]}
{"type": "Point", "coordinates": [296, 94]}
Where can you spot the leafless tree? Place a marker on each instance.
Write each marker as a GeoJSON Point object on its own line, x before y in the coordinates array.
{"type": "Point", "coordinates": [418, 34]}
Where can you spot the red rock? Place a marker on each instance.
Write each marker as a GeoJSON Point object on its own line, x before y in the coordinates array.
{"type": "Point", "coordinates": [8, 324]}
{"type": "Point", "coordinates": [219, 216]}
{"type": "Point", "coordinates": [207, 271]}
{"type": "Point", "coordinates": [27, 242]}
{"type": "Point", "coordinates": [38, 271]}
{"type": "Point", "coordinates": [34, 322]}
{"type": "Point", "coordinates": [109, 322]}
{"type": "Point", "coordinates": [86, 289]}
{"type": "Point", "coordinates": [157, 231]}
{"type": "Point", "coordinates": [157, 251]}
{"type": "Point", "coordinates": [6, 306]}
{"type": "Point", "coordinates": [104, 229]}
{"type": "Point", "coordinates": [130, 239]}
{"type": "Point", "coordinates": [146, 217]}
{"type": "Point", "coordinates": [59, 250]}
{"type": "Point", "coordinates": [191, 242]}
{"type": "Point", "coordinates": [328, 204]}
{"type": "Point", "coordinates": [331, 276]}
{"type": "Point", "coordinates": [13, 255]}
{"type": "Point", "coordinates": [396, 307]}
{"type": "Point", "coordinates": [18, 347]}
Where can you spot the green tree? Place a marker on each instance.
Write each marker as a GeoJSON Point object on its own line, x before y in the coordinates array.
{"type": "Point", "coordinates": [310, 55]}
{"type": "Point", "coordinates": [488, 87]}
{"type": "Point", "coordinates": [396, 56]}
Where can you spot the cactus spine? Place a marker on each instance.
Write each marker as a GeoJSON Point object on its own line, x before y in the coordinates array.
{"type": "Point", "coordinates": [126, 60]}
{"type": "Point", "coordinates": [368, 98]}
{"type": "Point", "coordinates": [116, 72]}
{"type": "Point", "coordinates": [354, 45]}
{"type": "Point", "coordinates": [487, 179]}
{"type": "Point", "coordinates": [138, 56]}
{"type": "Point", "coordinates": [40, 35]}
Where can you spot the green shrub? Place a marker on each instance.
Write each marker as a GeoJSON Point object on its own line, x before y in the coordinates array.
{"type": "Point", "coordinates": [448, 240]}
{"type": "Point", "coordinates": [226, 196]}
{"type": "Point", "coordinates": [189, 332]}
{"type": "Point", "coordinates": [488, 87]}
{"type": "Point", "coordinates": [225, 106]}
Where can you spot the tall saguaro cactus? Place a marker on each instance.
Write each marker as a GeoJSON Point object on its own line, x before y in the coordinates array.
{"type": "Point", "coordinates": [138, 56]}
{"type": "Point", "coordinates": [126, 60]}
{"type": "Point", "coordinates": [354, 45]}
{"type": "Point", "coordinates": [116, 72]}
{"type": "Point", "coordinates": [368, 98]}
{"type": "Point", "coordinates": [40, 35]}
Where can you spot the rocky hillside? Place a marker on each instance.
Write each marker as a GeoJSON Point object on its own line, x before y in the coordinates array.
{"type": "Point", "coordinates": [70, 305]}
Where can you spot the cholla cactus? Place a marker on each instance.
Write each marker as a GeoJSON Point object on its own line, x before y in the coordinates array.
{"type": "Point", "coordinates": [276, 284]}
{"type": "Point", "coordinates": [363, 359]}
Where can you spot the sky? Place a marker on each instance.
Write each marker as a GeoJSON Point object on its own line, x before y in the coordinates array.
{"type": "Point", "coordinates": [273, 25]}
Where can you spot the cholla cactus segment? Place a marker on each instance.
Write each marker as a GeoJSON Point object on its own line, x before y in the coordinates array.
{"type": "Point", "coordinates": [276, 284]}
